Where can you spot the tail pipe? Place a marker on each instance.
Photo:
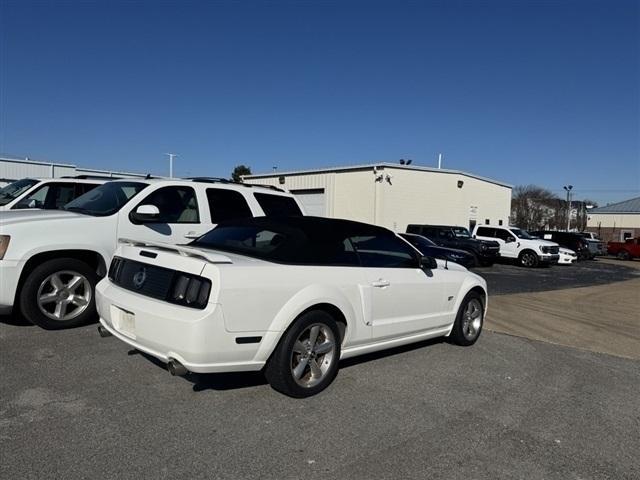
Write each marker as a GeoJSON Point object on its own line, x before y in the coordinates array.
{"type": "Point", "coordinates": [176, 368]}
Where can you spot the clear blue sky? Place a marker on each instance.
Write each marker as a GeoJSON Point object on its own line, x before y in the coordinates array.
{"type": "Point", "coordinates": [544, 92]}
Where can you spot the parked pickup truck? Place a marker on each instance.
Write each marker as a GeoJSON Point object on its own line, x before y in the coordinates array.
{"type": "Point", "coordinates": [596, 246]}
{"type": "Point", "coordinates": [625, 250]}
{"type": "Point", "coordinates": [485, 252]}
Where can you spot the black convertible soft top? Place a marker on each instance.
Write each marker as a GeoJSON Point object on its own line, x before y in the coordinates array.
{"type": "Point", "coordinates": [291, 240]}
{"type": "Point", "coordinates": [313, 226]}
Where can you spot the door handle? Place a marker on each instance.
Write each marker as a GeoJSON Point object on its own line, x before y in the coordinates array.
{"type": "Point", "coordinates": [192, 235]}
{"type": "Point", "coordinates": [381, 283]}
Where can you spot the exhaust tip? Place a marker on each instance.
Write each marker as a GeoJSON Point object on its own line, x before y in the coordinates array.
{"type": "Point", "coordinates": [104, 333]}
{"type": "Point", "coordinates": [176, 368]}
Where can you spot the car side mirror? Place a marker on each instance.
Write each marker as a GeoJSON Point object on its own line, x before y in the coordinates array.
{"type": "Point", "coordinates": [428, 263]}
{"type": "Point", "coordinates": [145, 214]}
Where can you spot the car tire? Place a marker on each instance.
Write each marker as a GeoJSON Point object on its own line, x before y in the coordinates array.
{"type": "Point", "coordinates": [59, 294]}
{"type": "Point", "coordinates": [528, 259]}
{"type": "Point", "coordinates": [624, 255]}
{"type": "Point", "coordinates": [299, 368]}
{"type": "Point", "coordinates": [469, 320]}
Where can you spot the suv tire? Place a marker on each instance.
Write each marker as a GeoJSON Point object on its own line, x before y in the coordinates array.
{"type": "Point", "coordinates": [59, 294]}
{"type": "Point", "coordinates": [306, 359]}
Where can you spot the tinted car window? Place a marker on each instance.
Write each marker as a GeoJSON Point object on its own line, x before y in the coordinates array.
{"type": "Point", "coordinates": [280, 245]}
{"type": "Point", "coordinates": [15, 189]}
{"type": "Point", "coordinates": [177, 204]}
{"type": "Point", "coordinates": [50, 196]}
{"type": "Point", "coordinates": [502, 234]}
{"type": "Point", "coordinates": [485, 232]}
{"type": "Point", "coordinates": [384, 251]}
{"type": "Point", "coordinates": [277, 205]}
{"type": "Point", "coordinates": [227, 205]}
{"type": "Point", "coordinates": [106, 199]}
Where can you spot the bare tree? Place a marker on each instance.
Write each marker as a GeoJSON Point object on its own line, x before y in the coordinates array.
{"type": "Point", "coordinates": [533, 207]}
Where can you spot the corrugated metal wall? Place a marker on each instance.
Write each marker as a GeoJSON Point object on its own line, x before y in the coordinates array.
{"type": "Point", "coordinates": [12, 169]}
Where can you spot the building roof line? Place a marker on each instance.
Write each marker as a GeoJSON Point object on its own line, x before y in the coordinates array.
{"type": "Point", "coordinates": [374, 165]}
{"type": "Point", "coordinates": [626, 206]}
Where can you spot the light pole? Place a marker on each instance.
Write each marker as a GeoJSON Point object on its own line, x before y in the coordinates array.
{"type": "Point", "coordinates": [568, 188]}
{"type": "Point", "coordinates": [171, 157]}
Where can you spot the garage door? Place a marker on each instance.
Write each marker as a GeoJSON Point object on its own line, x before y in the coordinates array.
{"type": "Point", "coordinates": [313, 201]}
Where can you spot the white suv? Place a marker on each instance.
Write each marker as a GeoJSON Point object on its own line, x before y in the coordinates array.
{"type": "Point", "coordinates": [517, 244]}
{"type": "Point", "coordinates": [50, 261]}
{"type": "Point", "coordinates": [45, 193]}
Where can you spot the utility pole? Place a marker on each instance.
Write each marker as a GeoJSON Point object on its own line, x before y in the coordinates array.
{"type": "Point", "coordinates": [568, 189]}
{"type": "Point", "coordinates": [439, 161]}
{"type": "Point", "coordinates": [171, 157]}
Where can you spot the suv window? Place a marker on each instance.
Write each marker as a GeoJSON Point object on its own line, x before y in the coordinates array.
{"type": "Point", "coordinates": [177, 204]}
{"type": "Point", "coordinates": [106, 199]}
{"type": "Point", "coordinates": [227, 204]}
{"type": "Point", "coordinates": [384, 251]}
{"type": "Point", "coordinates": [502, 234]}
{"type": "Point", "coordinates": [277, 205]}
{"type": "Point", "coordinates": [12, 191]}
{"type": "Point", "coordinates": [50, 196]}
{"type": "Point", "coordinates": [486, 232]}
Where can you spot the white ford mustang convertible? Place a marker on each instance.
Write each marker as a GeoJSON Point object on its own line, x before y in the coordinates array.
{"type": "Point", "coordinates": [290, 295]}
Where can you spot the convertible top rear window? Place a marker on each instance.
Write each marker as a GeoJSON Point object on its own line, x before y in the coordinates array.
{"type": "Point", "coordinates": [281, 245]}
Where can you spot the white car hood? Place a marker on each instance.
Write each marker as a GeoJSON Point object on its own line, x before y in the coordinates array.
{"type": "Point", "coordinates": [540, 241]}
{"type": "Point", "coordinates": [20, 216]}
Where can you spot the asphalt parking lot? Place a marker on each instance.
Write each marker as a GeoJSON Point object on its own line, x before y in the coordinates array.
{"type": "Point", "coordinates": [78, 406]}
{"type": "Point", "coordinates": [506, 278]}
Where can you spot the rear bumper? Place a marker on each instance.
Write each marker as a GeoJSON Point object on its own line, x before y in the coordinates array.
{"type": "Point", "coordinates": [196, 338]}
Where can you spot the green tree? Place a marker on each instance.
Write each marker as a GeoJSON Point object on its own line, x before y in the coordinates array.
{"type": "Point", "coordinates": [239, 171]}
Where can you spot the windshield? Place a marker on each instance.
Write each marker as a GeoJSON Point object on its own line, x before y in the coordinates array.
{"type": "Point", "coordinates": [107, 199]}
{"type": "Point", "coordinates": [14, 190]}
{"type": "Point", "coordinates": [522, 234]}
{"type": "Point", "coordinates": [419, 242]}
{"type": "Point", "coordinates": [461, 232]}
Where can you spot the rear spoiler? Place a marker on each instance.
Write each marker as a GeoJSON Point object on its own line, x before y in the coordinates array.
{"type": "Point", "coordinates": [179, 249]}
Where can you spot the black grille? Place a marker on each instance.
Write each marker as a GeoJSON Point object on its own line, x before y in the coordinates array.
{"type": "Point", "coordinates": [553, 250]}
{"type": "Point", "coordinates": [142, 278]}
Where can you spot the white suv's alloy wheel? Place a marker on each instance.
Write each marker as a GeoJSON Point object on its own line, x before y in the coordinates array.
{"type": "Point", "coordinates": [64, 295]}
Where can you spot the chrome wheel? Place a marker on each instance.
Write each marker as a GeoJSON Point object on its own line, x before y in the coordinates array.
{"type": "Point", "coordinates": [313, 355]}
{"type": "Point", "coordinates": [64, 295]}
{"type": "Point", "coordinates": [472, 319]}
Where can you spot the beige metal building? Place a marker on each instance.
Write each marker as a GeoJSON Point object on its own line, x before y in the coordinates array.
{"type": "Point", "coordinates": [616, 222]}
{"type": "Point", "coordinates": [394, 195]}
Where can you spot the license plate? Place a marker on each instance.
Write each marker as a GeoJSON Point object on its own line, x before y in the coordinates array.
{"type": "Point", "coordinates": [123, 321]}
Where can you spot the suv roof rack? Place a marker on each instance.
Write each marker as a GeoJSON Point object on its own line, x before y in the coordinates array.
{"type": "Point", "coordinates": [231, 182]}
{"type": "Point", "coordinates": [92, 177]}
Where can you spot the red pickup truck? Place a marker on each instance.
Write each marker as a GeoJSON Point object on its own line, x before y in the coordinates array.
{"type": "Point", "coordinates": [625, 250]}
